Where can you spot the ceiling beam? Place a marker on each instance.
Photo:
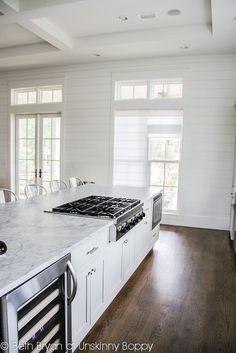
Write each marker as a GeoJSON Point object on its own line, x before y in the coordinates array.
{"type": "Point", "coordinates": [47, 31]}
{"type": "Point", "coordinates": [25, 50]}
{"type": "Point", "coordinates": [41, 27]}
{"type": "Point", "coordinates": [26, 5]}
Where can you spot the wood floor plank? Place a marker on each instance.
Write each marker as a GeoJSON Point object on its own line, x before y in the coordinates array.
{"type": "Point", "coordinates": [182, 298]}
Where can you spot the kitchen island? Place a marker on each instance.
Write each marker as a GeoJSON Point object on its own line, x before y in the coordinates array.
{"type": "Point", "coordinates": [36, 239]}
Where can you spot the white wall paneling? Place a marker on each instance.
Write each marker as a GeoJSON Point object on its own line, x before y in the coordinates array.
{"type": "Point", "coordinates": [208, 126]}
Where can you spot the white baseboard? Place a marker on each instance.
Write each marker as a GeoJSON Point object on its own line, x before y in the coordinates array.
{"type": "Point", "coordinates": [220, 223]}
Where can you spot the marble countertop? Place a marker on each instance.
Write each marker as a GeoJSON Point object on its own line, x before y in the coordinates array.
{"type": "Point", "coordinates": [36, 239]}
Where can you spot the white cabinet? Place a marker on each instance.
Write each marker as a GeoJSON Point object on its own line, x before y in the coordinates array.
{"type": "Point", "coordinates": [113, 270]}
{"type": "Point", "coordinates": [119, 264]}
{"type": "Point", "coordinates": [155, 234]}
{"type": "Point", "coordinates": [128, 255]}
{"type": "Point", "coordinates": [144, 237]}
{"type": "Point", "coordinates": [103, 268]}
{"type": "Point", "coordinates": [79, 309]}
{"type": "Point", "coordinates": [95, 298]}
{"type": "Point", "coordinates": [88, 304]}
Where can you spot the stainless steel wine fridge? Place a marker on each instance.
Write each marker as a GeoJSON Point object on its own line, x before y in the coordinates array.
{"type": "Point", "coordinates": [37, 314]}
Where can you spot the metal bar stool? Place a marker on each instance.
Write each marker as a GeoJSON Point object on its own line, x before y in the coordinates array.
{"type": "Point", "coordinates": [56, 185]}
{"type": "Point", "coordinates": [4, 191]}
{"type": "Point", "coordinates": [33, 190]}
{"type": "Point", "coordinates": [75, 182]}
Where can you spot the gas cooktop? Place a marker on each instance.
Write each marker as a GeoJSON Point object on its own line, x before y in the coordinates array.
{"type": "Point", "coordinates": [98, 206]}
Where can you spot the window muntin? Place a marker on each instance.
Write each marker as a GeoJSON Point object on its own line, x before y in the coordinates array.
{"type": "Point", "coordinates": [37, 95]}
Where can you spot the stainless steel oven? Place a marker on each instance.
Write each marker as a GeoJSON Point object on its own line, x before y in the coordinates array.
{"type": "Point", "coordinates": [157, 210]}
{"type": "Point", "coordinates": [36, 316]}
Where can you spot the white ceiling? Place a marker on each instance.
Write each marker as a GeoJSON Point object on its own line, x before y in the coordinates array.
{"type": "Point", "coordinates": [89, 18]}
{"type": "Point", "coordinates": [13, 35]}
{"type": "Point", "coordinates": [45, 32]}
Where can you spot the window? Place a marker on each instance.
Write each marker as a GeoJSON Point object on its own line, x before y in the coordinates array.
{"type": "Point", "coordinates": [147, 151]}
{"type": "Point", "coordinates": [25, 96]}
{"type": "Point", "coordinates": [131, 90]}
{"type": "Point", "coordinates": [164, 157]}
{"type": "Point", "coordinates": [149, 89]}
{"type": "Point", "coordinates": [48, 94]}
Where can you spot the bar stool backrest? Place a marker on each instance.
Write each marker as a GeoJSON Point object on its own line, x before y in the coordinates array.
{"type": "Point", "coordinates": [33, 190]}
{"type": "Point", "coordinates": [56, 185]}
{"type": "Point", "coordinates": [3, 193]}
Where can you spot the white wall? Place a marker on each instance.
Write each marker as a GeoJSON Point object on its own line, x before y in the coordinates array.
{"type": "Point", "coordinates": [209, 127]}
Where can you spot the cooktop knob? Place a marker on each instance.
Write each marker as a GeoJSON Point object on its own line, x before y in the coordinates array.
{"type": "Point", "coordinates": [3, 247]}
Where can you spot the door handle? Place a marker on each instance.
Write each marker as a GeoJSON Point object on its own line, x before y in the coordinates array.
{"type": "Point", "coordinates": [75, 283]}
{"type": "Point", "coordinates": [40, 173]}
{"type": "Point", "coordinates": [35, 173]}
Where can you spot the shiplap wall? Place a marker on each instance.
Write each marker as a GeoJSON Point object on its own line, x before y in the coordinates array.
{"type": "Point", "coordinates": [208, 131]}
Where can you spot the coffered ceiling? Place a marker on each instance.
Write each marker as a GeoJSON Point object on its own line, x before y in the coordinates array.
{"type": "Point", "coordinates": [48, 32]}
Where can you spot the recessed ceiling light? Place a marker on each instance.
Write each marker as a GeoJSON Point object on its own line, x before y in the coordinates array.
{"type": "Point", "coordinates": [174, 12]}
{"type": "Point", "coordinates": [96, 54]}
{"type": "Point", "coordinates": [184, 47]}
{"type": "Point", "coordinates": [148, 16]}
{"type": "Point", "coordinates": [122, 18]}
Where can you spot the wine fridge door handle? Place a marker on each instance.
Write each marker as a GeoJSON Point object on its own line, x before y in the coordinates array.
{"type": "Point", "coordinates": [75, 282]}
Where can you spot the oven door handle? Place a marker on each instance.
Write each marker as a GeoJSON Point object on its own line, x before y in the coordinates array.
{"type": "Point", "coordinates": [75, 282]}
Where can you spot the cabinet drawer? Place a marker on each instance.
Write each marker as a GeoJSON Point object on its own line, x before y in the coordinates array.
{"type": "Point", "coordinates": [91, 247]}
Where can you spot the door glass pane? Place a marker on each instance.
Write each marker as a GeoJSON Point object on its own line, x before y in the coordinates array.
{"type": "Point", "coordinates": [47, 149]}
{"type": "Point", "coordinates": [157, 174]}
{"type": "Point", "coordinates": [25, 153]}
{"type": "Point", "coordinates": [56, 149]}
{"type": "Point", "coordinates": [31, 149]}
{"type": "Point", "coordinates": [51, 149]}
{"type": "Point", "coordinates": [22, 128]}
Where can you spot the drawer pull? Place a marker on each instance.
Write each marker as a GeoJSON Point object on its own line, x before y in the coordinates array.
{"type": "Point", "coordinates": [126, 241]}
{"type": "Point", "coordinates": [92, 250]}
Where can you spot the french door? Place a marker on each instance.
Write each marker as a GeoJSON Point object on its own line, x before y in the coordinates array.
{"type": "Point", "coordinates": [38, 150]}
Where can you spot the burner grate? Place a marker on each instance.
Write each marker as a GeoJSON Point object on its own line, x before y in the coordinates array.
{"type": "Point", "coordinates": [98, 206]}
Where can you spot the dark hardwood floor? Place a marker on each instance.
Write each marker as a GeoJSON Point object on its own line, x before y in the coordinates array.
{"type": "Point", "coordinates": [182, 298]}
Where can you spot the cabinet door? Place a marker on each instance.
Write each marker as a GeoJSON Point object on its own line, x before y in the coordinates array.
{"type": "Point", "coordinates": [96, 289]}
{"type": "Point", "coordinates": [113, 270]}
{"type": "Point", "coordinates": [155, 234]}
{"type": "Point", "coordinates": [128, 255]}
{"type": "Point", "coordinates": [80, 307]}
{"type": "Point", "coordinates": [143, 240]}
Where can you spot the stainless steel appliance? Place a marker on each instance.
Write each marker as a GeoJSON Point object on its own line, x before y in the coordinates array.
{"type": "Point", "coordinates": [157, 210]}
{"type": "Point", "coordinates": [126, 213]}
{"type": "Point", "coordinates": [37, 314]}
